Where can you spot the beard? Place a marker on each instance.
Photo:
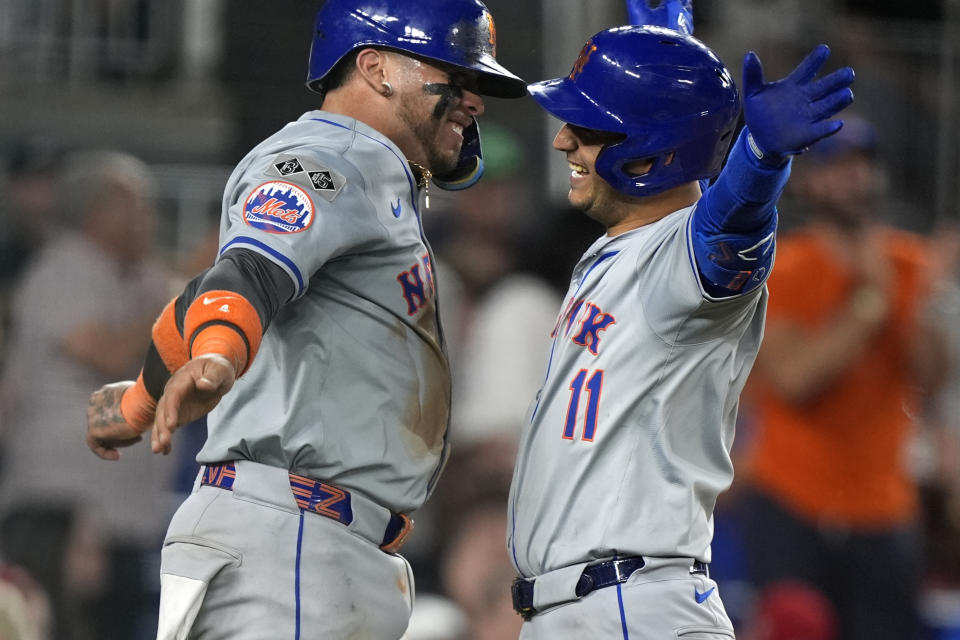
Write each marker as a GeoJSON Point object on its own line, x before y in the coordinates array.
{"type": "Point", "coordinates": [602, 203]}
{"type": "Point", "coordinates": [427, 132]}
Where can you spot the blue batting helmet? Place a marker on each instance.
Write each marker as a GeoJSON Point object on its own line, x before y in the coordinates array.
{"type": "Point", "coordinates": [460, 33]}
{"type": "Point", "coordinates": [667, 93]}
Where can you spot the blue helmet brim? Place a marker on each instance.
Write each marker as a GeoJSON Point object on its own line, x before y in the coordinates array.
{"type": "Point", "coordinates": [562, 99]}
{"type": "Point", "coordinates": [493, 79]}
{"type": "Point", "coordinates": [458, 33]}
{"type": "Point", "coordinates": [496, 81]}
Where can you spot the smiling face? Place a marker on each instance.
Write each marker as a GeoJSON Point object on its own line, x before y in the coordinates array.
{"type": "Point", "coordinates": [435, 105]}
{"type": "Point", "coordinates": [588, 191]}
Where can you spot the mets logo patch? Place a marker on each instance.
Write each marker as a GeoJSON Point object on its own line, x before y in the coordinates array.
{"type": "Point", "coordinates": [278, 207]}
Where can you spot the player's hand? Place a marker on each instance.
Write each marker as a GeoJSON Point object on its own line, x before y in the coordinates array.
{"type": "Point", "coordinates": [787, 116]}
{"type": "Point", "coordinates": [673, 14]}
{"type": "Point", "coordinates": [106, 428]}
{"type": "Point", "coordinates": [191, 393]}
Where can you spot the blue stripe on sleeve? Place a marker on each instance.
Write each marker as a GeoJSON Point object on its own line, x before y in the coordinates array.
{"type": "Point", "coordinates": [272, 252]}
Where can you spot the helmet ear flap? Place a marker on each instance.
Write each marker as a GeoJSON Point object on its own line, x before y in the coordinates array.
{"type": "Point", "coordinates": [613, 160]}
{"type": "Point", "coordinates": [677, 158]}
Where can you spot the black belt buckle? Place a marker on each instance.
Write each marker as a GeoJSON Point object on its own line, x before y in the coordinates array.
{"type": "Point", "coordinates": [522, 592]}
{"type": "Point", "coordinates": [607, 573]}
{"type": "Point", "coordinates": [594, 577]}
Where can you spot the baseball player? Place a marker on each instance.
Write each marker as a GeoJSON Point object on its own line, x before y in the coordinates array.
{"type": "Point", "coordinates": [314, 342]}
{"type": "Point", "coordinates": [610, 513]}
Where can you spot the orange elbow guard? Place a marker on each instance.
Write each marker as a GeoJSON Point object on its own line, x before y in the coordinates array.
{"type": "Point", "coordinates": [167, 339]}
{"type": "Point", "coordinates": [138, 407]}
{"type": "Point", "coordinates": [224, 323]}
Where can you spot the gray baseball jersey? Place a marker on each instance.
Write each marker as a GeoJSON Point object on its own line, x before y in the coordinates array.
{"type": "Point", "coordinates": [628, 443]}
{"type": "Point", "coordinates": [351, 383]}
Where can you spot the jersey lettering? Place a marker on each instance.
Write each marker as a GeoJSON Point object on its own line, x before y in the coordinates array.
{"type": "Point", "coordinates": [275, 208]}
{"type": "Point", "coordinates": [327, 505]}
{"type": "Point", "coordinates": [592, 324]}
{"type": "Point", "coordinates": [322, 498]}
{"type": "Point", "coordinates": [417, 290]}
{"type": "Point", "coordinates": [569, 313]}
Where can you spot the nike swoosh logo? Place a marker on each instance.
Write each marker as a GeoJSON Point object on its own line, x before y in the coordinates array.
{"type": "Point", "coordinates": [396, 209]}
{"type": "Point", "coordinates": [701, 597]}
{"type": "Point", "coordinates": [760, 248]}
{"type": "Point", "coordinates": [224, 299]}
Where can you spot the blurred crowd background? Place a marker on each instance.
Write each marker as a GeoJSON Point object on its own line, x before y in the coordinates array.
{"type": "Point", "coordinates": [121, 120]}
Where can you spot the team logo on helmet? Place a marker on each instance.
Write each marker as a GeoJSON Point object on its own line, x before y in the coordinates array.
{"type": "Point", "coordinates": [493, 32]}
{"type": "Point", "coordinates": [582, 59]}
{"type": "Point", "coordinates": [278, 207]}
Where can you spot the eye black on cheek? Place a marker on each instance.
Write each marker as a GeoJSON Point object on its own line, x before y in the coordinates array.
{"type": "Point", "coordinates": [449, 93]}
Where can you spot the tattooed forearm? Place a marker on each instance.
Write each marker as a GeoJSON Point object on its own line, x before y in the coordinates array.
{"type": "Point", "coordinates": [105, 407]}
{"type": "Point", "coordinates": [106, 428]}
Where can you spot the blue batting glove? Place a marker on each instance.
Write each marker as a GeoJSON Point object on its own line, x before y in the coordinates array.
{"type": "Point", "coordinates": [787, 116]}
{"type": "Point", "coordinates": [672, 14]}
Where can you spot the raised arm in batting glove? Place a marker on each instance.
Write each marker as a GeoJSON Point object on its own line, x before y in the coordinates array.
{"type": "Point", "coordinates": [786, 117]}
{"type": "Point", "coordinates": [672, 14]}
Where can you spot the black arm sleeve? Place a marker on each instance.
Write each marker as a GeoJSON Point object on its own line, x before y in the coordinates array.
{"type": "Point", "coordinates": [256, 278]}
{"type": "Point", "coordinates": [155, 373]}
{"type": "Point", "coordinates": [261, 281]}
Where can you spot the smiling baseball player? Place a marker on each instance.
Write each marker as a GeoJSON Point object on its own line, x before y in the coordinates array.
{"type": "Point", "coordinates": [611, 507]}
{"type": "Point", "coordinates": [321, 308]}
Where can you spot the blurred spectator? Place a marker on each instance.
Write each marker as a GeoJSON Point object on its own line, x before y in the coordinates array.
{"type": "Point", "coordinates": [61, 549]}
{"type": "Point", "coordinates": [477, 572]}
{"type": "Point", "coordinates": [792, 610]}
{"type": "Point", "coordinates": [940, 490]}
{"type": "Point", "coordinates": [502, 360]}
{"type": "Point", "coordinates": [26, 213]}
{"type": "Point", "coordinates": [82, 313]}
{"type": "Point", "coordinates": [846, 351]}
{"type": "Point", "coordinates": [435, 617]}
{"type": "Point", "coordinates": [30, 194]}
{"type": "Point", "coordinates": [24, 606]}
{"type": "Point", "coordinates": [466, 563]}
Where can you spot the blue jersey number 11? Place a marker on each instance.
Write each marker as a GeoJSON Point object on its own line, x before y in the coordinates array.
{"type": "Point", "coordinates": [594, 385]}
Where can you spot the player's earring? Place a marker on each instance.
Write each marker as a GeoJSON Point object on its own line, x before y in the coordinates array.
{"type": "Point", "coordinates": [387, 89]}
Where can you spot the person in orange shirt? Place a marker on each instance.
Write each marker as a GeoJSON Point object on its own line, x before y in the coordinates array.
{"type": "Point", "coordinates": [844, 359]}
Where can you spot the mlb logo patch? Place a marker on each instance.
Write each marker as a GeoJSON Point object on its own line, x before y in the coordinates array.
{"type": "Point", "coordinates": [278, 207]}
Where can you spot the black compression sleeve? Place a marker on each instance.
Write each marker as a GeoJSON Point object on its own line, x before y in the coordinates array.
{"type": "Point", "coordinates": [155, 373]}
{"type": "Point", "coordinates": [261, 281]}
{"type": "Point", "coordinates": [256, 278]}
{"type": "Point", "coordinates": [187, 297]}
